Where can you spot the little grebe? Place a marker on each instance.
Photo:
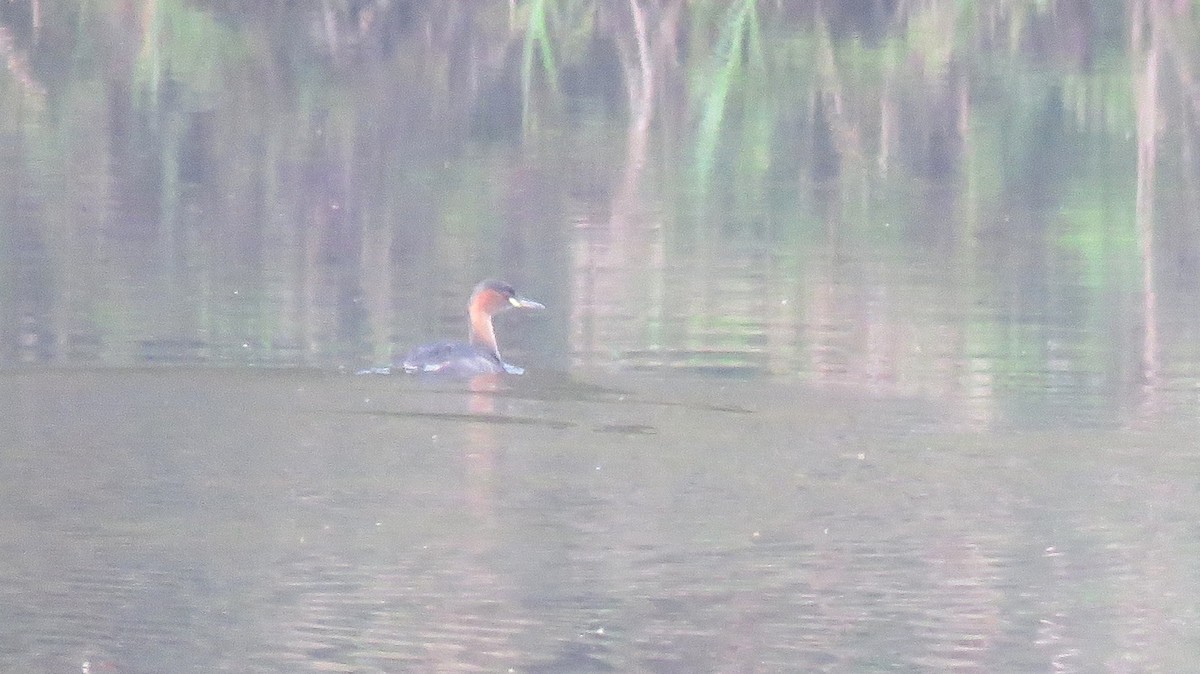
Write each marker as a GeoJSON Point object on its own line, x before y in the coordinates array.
{"type": "Point", "coordinates": [480, 355]}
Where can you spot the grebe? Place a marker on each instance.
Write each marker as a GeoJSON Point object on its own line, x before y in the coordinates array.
{"type": "Point", "coordinates": [480, 355]}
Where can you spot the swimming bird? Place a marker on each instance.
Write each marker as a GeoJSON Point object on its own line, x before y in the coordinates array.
{"type": "Point", "coordinates": [480, 354]}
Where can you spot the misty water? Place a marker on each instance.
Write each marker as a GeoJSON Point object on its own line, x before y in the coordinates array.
{"type": "Point", "coordinates": [871, 340]}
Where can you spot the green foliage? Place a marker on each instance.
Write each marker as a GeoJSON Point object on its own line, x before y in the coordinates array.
{"type": "Point", "coordinates": [189, 46]}
{"type": "Point", "coordinates": [539, 46]}
{"type": "Point", "coordinates": [722, 73]}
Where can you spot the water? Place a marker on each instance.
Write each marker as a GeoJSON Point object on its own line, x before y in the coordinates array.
{"type": "Point", "coordinates": [281, 520]}
{"type": "Point", "coordinates": [871, 349]}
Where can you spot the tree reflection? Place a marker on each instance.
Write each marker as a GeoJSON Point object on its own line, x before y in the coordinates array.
{"type": "Point", "coordinates": [286, 176]}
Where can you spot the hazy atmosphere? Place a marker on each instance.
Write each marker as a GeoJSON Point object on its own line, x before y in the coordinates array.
{"type": "Point", "coordinates": [870, 339]}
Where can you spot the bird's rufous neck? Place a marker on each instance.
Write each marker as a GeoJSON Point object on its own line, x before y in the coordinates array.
{"type": "Point", "coordinates": [483, 335]}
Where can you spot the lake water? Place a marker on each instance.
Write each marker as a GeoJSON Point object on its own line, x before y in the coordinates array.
{"type": "Point", "coordinates": [870, 341]}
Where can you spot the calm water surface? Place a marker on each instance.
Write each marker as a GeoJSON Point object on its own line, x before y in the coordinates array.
{"type": "Point", "coordinates": [281, 520]}
{"type": "Point", "coordinates": [872, 339]}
